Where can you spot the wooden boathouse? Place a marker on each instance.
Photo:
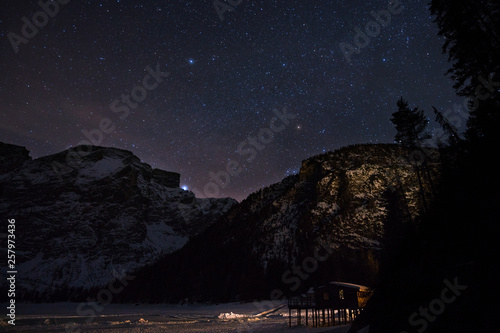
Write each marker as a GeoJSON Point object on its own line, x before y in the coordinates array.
{"type": "Point", "coordinates": [336, 303]}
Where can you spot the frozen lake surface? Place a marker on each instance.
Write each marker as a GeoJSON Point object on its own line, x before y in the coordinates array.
{"type": "Point", "coordinates": [231, 317]}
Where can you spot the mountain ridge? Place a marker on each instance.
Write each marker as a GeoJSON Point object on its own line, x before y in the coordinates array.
{"type": "Point", "coordinates": [79, 224]}
{"type": "Point", "coordinates": [345, 202]}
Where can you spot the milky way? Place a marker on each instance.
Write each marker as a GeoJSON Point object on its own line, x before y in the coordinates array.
{"type": "Point", "coordinates": [232, 100]}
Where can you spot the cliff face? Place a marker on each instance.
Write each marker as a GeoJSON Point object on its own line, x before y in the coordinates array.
{"type": "Point", "coordinates": [341, 198]}
{"type": "Point", "coordinates": [81, 221]}
{"type": "Point", "coordinates": [344, 203]}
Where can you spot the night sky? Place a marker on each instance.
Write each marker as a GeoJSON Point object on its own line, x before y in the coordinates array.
{"type": "Point", "coordinates": [225, 78]}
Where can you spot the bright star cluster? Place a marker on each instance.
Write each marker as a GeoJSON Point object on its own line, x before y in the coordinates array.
{"type": "Point", "coordinates": [225, 78]}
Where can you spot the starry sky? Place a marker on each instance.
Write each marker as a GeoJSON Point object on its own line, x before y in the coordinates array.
{"type": "Point", "coordinates": [216, 82]}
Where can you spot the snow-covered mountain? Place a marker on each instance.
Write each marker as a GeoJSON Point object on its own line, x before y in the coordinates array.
{"type": "Point", "coordinates": [343, 205]}
{"type": "Point", "coordinates": [83, 218]}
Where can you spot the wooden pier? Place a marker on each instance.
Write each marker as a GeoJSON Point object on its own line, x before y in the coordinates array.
{"type": "Point", "coordinates": [337, 303]}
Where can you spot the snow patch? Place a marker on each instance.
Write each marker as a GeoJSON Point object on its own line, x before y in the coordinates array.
{"type": "Point", "coordinates": [101, 169]}
{"type": "Point", "coordinates": [230, 315]}
{"type": "Point", "coordinates": [163, 238]}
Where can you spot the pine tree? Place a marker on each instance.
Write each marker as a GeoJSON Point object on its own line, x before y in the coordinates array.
{"type": "Point", "coordinates": [411, 133]}
{"type": "Point", "coordinates": [472, 32]}
{"type": "Point", "coordinates": [410, 125]}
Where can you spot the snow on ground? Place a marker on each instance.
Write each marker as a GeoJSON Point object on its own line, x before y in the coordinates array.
{"type": "Point", "coordinates": [117, 318]}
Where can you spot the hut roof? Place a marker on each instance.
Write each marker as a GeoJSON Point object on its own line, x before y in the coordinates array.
{"type": "Point", "coordinates": [351, 285]}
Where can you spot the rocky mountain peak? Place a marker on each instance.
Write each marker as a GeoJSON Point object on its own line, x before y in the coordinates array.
{"type": "Point", "coordinates": [87, 212]}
